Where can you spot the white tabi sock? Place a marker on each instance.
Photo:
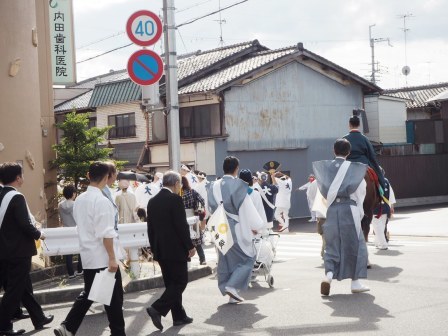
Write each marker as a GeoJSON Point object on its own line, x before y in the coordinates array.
{"type": "Point", "coordinates": [329, 276]}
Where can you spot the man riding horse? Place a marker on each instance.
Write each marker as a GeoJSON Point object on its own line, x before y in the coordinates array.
{"type": "Point", "coordinates": [362, 150]}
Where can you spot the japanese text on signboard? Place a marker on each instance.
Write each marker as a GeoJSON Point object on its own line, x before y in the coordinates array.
{"type": "Point", "coordinates": [61, 39]}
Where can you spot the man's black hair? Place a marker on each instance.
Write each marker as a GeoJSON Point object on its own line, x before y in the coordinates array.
{"type": "Point", "coordinates": [230, 164]}
{"type": "Point", "coordinates": [98, 170]}
{"type": "Point", "coordinates": [69, 191]}
{"type": "Point", "coordinates": [112, 168]}
{"type": "Point", "coordinates": [354, 121]}
{"type": "Point", "coordinates": [9, 171]}
{"type": "Point", "coordinates": [342, 147]}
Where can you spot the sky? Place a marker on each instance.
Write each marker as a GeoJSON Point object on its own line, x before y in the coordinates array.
{"type": "Point", "coordinates": [335, 29]}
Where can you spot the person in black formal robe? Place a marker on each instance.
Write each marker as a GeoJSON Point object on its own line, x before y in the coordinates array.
{"type": "Point", "coordinates": [17, 246]}
{"type": "Point", "coordinates": [171, 246]}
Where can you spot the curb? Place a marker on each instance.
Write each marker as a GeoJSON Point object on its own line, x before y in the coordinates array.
{"type": "Point", "coordinates": [59, 295]}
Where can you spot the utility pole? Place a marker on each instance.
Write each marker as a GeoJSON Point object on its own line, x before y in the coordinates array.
{"type": "Point", "coordinates": [172, 99]}
{"type": "Point", "coordinates": [372, 46]}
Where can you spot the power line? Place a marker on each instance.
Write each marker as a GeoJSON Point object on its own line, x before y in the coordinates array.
{"type": "Point", "coordinates": [182, 39]}
{"type": "Point", "coordinates": [193, 6]}
{"type": "Point", "coordinates": [209, 14]}
{"type": "Point", "coordinates": [100, 40]}
{"type": "Point", "coordinates": [182, 24]}
{"type": "Point", "coordinates": [104, 53]}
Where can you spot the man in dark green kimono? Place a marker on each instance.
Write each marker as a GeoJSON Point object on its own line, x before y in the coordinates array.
{"type": "Point", "coordinates": [362, 150]}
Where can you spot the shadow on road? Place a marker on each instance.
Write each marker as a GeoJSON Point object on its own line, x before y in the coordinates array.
{"type": "Point", "coordinates": [384, 274]}
{"type": "Point", "coordinates": [234, 318]}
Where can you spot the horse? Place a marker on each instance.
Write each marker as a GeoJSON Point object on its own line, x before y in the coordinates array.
{"type": "Point", "coordinates": [371, 201]}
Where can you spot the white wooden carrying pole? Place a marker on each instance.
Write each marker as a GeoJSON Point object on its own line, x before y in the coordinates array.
{"type": "Point", "coordinates": [132, 236]}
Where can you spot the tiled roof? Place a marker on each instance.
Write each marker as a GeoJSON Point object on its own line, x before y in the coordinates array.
{"type": "Point", "coordinates": [233, 72]}
{"type": "Point", "coordinates": [208, 71]}
{"type": "Point", "coordinates": [109, 77]}
{"type": "Point", "coordinates": [78, 103]}
{"type": "Point", "coordinates": [115, 93]}
{"type": "Point", "coordinates": [215, 58]}
{"type": "Point", "coordinates": [257, 60]}
{"type": "Point", "coordinates": [364, 82]}
{"type": "Point", "coordinates": [440, 97]}
{"type": "Point", "coordinates": [417, 95]}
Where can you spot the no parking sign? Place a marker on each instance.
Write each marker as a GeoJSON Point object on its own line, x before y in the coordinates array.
{"type": "Point", "coordinates": [145, 67]}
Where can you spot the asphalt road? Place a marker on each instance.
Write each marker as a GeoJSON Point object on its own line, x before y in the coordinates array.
{"type": "Point", "coordinates": [408, 292]}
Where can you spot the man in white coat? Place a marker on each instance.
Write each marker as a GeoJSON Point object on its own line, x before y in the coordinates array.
{"type": "Point", "coordinates": [201, 188]}
{"type": "Point", "coordinates": [283, 201]}
{"type": "Point", "coordinates": [191, 177]}
{"type": "Point", "coordinates": [310, 195]}
{"type": "Point", "coordinates": [146, 191]}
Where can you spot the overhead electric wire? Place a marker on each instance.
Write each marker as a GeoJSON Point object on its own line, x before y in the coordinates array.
{"type": "Point", "coordinates": [104, 53]}
{"type": "Point", "coordinates": [193, 6]}
{"type": "Point", "coordinates": [182, 24]}
{"type": "Point", "coordinates": [209, 14]}
{"type": "Point", "coordinates": [101, 40]}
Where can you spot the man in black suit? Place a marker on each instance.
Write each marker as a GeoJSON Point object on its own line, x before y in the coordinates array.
{"type": "Point", "coordinates": [17, 246]}
{"type": "Point", "coordinates": [171, 246]}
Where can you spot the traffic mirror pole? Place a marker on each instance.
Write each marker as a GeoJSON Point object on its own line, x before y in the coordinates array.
{"type": "Point", "coordinates": [172, 100]}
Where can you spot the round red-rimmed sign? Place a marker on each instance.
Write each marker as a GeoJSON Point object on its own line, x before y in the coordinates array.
{"type": "Point", "coordinates": [144, 28]}
{"type": "Point", "coordinates": [145, 67]}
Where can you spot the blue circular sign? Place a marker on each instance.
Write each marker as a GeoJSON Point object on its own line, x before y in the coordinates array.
{"type": "Point", "coordinates": [145, 67]}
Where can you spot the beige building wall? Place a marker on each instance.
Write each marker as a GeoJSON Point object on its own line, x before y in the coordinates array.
{"type": "Point", "coordinates": [103, 112]}
{"type": "Point", "coordinates": [196, 154]}
{"type": "Point", "coordinates": [392, 115]}
{"type": "Point", "coordinates": [25, 108]}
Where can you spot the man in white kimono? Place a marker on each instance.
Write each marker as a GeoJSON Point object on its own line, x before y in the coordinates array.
{"type": "Point", "coordinates": [191, 177]}
{"type": "Point", "coordinates": [283, 201]}
{"type": "Point", "coordinates": [158, 180]}
{"type": "Point", "coordinates": [235, 267]}
{"type": "Point", "coordinates": [126, 204]}
{"type": "Point", "coordinates": [255, 196]}
{"type": "Point", "coordinates": [201, 188]}
{"type": "Point", "coordinates": [145, 191]}
{"type": "Point", "coordinates": [382, 214]}
{"type": "Point", "coordinates": [342, 183]}
{"type": "Point", "coordinates": [310, 195]}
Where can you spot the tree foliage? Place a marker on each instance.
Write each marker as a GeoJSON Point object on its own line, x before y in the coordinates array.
{"type": "Point", "coordinates": [79, 146]}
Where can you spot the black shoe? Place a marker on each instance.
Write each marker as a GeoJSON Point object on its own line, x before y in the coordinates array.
{"type": "Point", "coordinates": [185, 320]}
{"type": "Point", "coordinates": [47, 319]}
{"type": "Point", "coordinates": [22, 316]}
{"type": "Point", "coordinates": [12, 332]}
{"type": "Point", "coordinates": [156, 317]}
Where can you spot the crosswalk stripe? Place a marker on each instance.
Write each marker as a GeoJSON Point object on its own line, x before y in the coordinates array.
{"type": "Point", "coordinates": [294, 246]}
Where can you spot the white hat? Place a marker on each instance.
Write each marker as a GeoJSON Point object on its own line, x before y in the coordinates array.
{"type": "Point", "coordinates": [123, 184]}
{"type": "Point", "coordinates": [184, 167]}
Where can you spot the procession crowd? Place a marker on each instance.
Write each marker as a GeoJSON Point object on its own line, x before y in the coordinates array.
{"type": "Point", "coordinates": [235, 209]}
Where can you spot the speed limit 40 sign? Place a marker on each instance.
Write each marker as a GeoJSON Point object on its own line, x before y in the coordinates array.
{"type": "Point", "coordinates": [144, 28]}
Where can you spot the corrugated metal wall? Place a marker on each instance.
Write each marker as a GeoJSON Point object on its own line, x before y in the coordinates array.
{"type": "Point", "coordinates": [286, 108]}
{"type": "Point", "coordinates": [417, 175]}
{"type": "Point", "coordinates": [292, 115]}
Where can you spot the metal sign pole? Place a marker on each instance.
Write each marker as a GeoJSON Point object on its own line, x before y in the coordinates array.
{"type": "Point", "coordinates": [172, 100]}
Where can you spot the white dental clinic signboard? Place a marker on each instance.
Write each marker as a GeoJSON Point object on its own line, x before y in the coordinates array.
{"type": "Point", "coordinates": [62, 42]}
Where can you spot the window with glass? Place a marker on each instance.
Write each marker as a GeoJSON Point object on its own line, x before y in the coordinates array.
{"type": "Point", "coordinates": [123, 125]}
{"type": "Point", "coordinates": [200, 121]}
